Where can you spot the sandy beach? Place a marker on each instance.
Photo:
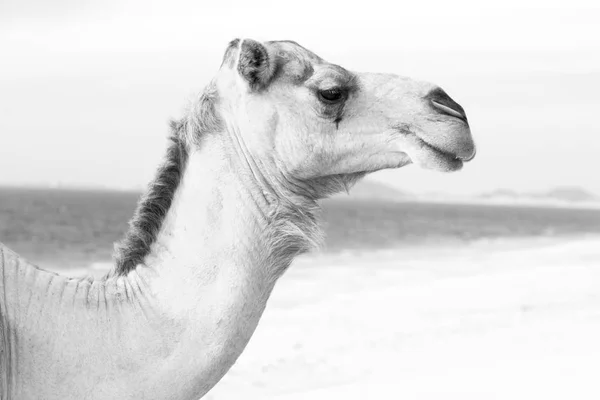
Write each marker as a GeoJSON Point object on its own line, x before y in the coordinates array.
{"type": "Point", "coordinates": [493, 320]}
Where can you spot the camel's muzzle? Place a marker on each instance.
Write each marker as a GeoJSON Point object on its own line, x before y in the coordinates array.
{"type": "Point", "coordinates": [461, 146]}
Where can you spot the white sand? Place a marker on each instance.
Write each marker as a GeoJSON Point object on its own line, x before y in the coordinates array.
{"type": "Point", "coordinates": [496, 320]}
{"type": "Point", "coordinates": [490, 321]}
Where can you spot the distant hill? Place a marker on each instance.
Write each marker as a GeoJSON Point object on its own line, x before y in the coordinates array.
{"type": "Point", "coordinates": [500, 193]}
{"type": "Point", "coordinates": [368, 189]}
{"type": "Point", "coordinates": [560, 194]}
{"type": "Point", "coordinates": [572, 194]}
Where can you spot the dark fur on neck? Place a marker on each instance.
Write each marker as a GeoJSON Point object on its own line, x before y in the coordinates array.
{"type": "Point", "coordinates": [201, 118]}
{"type": "Point", "coordinates": [153, 205]}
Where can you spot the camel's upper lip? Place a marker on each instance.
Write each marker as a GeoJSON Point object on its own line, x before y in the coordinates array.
{"type": "Point", "coordinates": [469, 158]}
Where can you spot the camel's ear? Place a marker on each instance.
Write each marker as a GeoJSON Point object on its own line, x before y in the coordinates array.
{"type": "Point", "coordinates": [255, 64]}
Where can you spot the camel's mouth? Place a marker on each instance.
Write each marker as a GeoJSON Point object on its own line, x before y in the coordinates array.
{"type": "Point", "coordinates": [425, 154]}
{"type": "Point", "coordinates": [441, 159]}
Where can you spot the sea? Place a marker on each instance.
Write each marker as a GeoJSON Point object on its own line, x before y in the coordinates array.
{"type": "Point", "coordinates": [62, 229]}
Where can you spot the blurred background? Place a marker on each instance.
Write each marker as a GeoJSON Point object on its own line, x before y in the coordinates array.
{"type": "Point", "coordinates": [478, 284]}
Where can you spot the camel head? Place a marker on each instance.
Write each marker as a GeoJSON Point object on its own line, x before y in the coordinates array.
{"type": "Point", "coordinates": [302, 119]}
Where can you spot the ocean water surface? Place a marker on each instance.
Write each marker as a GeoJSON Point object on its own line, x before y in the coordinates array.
{"type": "Point", "coordinates": [73, 228]}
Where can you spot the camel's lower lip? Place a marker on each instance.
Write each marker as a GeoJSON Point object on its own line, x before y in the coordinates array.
{"type": "Point", "coordinates": [440, 158]}
{"type": "Point", "coordinates": [447, 153]}
{"type": "Point", "coordinates": [449, 161]}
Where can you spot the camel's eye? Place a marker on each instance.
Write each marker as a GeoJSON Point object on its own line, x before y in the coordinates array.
{"type": "Point", "coordinates": [331, 95]}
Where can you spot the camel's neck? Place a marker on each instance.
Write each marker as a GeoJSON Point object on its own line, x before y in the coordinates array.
{"type": "Point", "coordinates": [215, 261]}
{"type": "Point", "coordinates": [218, 226]}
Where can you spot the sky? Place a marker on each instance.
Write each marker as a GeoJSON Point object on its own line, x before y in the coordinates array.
{"type": "Point", "coordinates": [87, 88]}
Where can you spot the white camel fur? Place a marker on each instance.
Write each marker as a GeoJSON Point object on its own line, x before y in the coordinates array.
{"type": "Point", "coordinates": [234, 202]}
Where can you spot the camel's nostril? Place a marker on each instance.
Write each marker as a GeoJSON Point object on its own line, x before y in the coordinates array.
{"type": "Point", "coordinates": [444, 103]}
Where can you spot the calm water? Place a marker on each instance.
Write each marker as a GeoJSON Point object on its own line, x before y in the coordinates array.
{"type": "Point", "coordinates": [75, 228]}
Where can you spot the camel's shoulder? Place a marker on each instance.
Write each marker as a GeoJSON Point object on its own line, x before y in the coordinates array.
{"type": "Point", "coordinates": [13, 268]}
{"type": "Point", "coordinates": [3, 358]}
{"type": "Point", "coordinates": [12, 265]}
{"type": "Point", "coordinates": [6, 257]}
{"type": "Point", "coordinates": [11, 261]}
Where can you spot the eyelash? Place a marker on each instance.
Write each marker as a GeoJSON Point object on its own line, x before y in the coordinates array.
{"type": "Point", "coordinates": [332, 95]}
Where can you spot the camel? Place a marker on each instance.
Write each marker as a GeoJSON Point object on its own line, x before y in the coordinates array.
{"type": "Point", "coordinates": [233, 203]}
